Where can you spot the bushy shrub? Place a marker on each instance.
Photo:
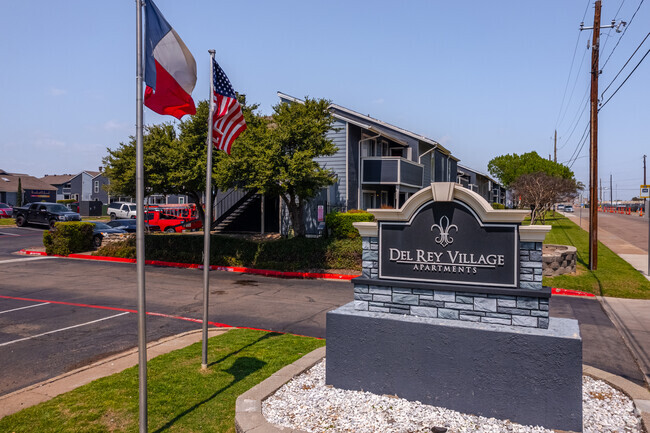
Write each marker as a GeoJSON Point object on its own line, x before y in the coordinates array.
{"type": "Point", "coordinates": [498, 206]}
{"type": "Point", "coordinates": [124, 249]}
{"type": "Point", "coordinates": [69, 238]}
{"type": "Point", "coordinates": [296, 254]}
{"type": "Point", "coordinates": [340, 224]}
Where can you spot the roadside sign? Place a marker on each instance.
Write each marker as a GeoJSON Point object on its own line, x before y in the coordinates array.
{"type": "Point", "coordinates": [645, 191]}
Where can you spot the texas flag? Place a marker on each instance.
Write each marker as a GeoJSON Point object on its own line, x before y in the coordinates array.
{"type": "Point", "coordinates": [170, 69]}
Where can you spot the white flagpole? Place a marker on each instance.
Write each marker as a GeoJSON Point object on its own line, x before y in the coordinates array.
{"type": "Point", "coordinates": [139, 237]}
{"type": "Point", "coordinates": [208, 221]}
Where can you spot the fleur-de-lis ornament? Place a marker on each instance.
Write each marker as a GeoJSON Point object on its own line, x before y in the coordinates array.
{"type": "Point", "coordinates": [444, 239]}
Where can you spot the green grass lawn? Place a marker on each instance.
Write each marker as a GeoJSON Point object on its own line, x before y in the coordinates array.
{"type": "Point", "coordinates": [7, 222]}
{"type": "Point", "coordinates": [182, 397]}
{"type": "Point", "coordinates": [614, 277]}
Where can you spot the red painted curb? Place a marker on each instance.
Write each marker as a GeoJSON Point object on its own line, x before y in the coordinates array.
{"type": "Point", "coordinates": [149, 313]}
{"type": "Point", "coordinates": [263, 272]}
{"type": "Point", "coordinates": [569, 292]}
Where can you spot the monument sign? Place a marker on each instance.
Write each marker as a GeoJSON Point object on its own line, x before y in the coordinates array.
{"type": "Point", "coordinates": [450, 310]}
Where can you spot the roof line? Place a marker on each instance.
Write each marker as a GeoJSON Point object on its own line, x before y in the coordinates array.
{"type": "Point", "coordinates": [387, 125]}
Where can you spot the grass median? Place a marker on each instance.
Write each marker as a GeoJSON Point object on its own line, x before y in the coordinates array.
{"type": "Point", "coordinates": [181, 396]}
{"type": "Point", "coordinates": [615, 277]}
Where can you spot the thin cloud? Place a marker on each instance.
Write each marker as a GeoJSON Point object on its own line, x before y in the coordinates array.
{"type": "Point", "coordinates": [114, 125]}
{"type": "Point", "coordinates": [57, 92]}
{"type": "Point", "coordinates": [378, 101]}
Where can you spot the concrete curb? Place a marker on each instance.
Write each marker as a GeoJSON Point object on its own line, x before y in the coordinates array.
{"type": "Point", "coordinates": [248, 408]}
{"type": "Point", "coordinates": [48, 389]}
{"type": "Point", "coordinates": [637, 393]}
{"type": "Point", "coordinates": [626, 336]}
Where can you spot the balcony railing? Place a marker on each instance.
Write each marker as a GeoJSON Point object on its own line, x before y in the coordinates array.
{"type": "Point", "coordinates": [391, 170]}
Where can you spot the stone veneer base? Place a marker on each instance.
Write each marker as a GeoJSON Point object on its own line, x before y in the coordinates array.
{"type": "Point", "coordinates": [528, 375]}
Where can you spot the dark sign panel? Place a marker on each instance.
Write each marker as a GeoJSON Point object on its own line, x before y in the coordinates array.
{"type": "Point", "coordinates": [445, 242]}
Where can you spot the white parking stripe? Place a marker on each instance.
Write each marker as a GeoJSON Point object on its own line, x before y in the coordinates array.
{"type": "Point", "coordinates": [8, 234]}
{"type": "Point", "coordinates": [22, 308]}
{"type": "Point", "coordinates": [26, 259]}
{"type": "Point", "coordinates": [62, 329]}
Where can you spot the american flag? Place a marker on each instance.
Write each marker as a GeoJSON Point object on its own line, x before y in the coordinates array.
{"type": "Point", "coordinates": [228, 119]}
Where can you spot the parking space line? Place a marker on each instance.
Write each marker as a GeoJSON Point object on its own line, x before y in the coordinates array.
{"type": "Point", "coordinates": [62, 329]}
{"type": "Point", "coordinates": [22, 308]}
{"type": "Point", "coordinates": [26, 259]}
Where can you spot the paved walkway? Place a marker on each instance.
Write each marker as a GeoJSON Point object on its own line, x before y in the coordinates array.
{"type": "Point", "coordinates": [630, 316]}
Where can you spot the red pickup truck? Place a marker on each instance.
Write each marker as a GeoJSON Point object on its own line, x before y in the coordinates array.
{"type": "Point", "coordinates": [171, 223]}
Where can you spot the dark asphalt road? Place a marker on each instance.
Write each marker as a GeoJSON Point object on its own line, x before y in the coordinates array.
{"type": "Point", "coordinates": [295, 306]}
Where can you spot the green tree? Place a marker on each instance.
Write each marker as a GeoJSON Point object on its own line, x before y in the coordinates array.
{"type": "Point", "coordinates": [538, 182]}
{"type": "Point", "coordinates": [19, 194]}
{"type": "Point", "coordinates": [507, 168]}
{"type": "Point", "coordinates": [119, 164]}
{"type": "Point", "coordinates": [174, 158]}
{"type": "Point", "coordinates": [277, 154]}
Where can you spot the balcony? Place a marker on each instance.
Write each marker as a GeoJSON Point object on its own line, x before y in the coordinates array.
{"type": "Point", "coordinates": [391, 170]}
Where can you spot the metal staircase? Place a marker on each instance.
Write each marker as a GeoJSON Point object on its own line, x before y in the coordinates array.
{"type": "Point", "coordinates": [230, 207]}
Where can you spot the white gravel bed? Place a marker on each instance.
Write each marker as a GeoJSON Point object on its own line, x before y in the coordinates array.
{"type": "Point", "coordinates": [306, 403]}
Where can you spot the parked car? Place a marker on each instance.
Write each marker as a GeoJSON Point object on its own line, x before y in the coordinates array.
{"type": "Point", "coordinates": [5, 210]}
{"type": "Point", "coordinates": [100, 230]}
{"type": "Point", "coordinates": [120, 209]}
{"type": "Point", "coordinates": [560, 207]}
{"type": "Point", "coordinates": [43, 213]}
{"type": "Point", "coordinates": [129, 225]}
{"type": "Point", "coordinates": [568, 208]}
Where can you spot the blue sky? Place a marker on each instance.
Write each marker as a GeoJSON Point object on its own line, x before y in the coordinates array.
{"type": "Point", "coordinates": [482, 78]}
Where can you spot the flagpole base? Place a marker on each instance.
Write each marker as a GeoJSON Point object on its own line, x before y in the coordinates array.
{"type": "Point", "coordinates": [204, 366]}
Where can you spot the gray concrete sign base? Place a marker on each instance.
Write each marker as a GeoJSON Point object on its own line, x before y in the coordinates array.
{"type": "Point", "coordinates": [528, 375]}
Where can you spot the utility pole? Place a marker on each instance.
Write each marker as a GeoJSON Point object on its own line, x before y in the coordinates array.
{"type": "Point", "coordinates": [593, 135]}
{"type": "Point", "coordinates": [644, 182]}
{"type": "Point", "coordinates": [611, 200]}
{"type": "Point", "coordinates": [555, 147]}
{"type": "Point", "coordinates": [601, 190]}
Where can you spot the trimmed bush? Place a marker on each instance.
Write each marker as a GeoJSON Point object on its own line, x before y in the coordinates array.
{"type": "Point", "coordinates": [296, 254]}
{"type": "Point", "coordinates": [124, 249]}
{"type": "Point", "coordinates": [498, 206]}
{"type": "Point", "coordinates": [69, 238]}
{"type": "Point", "coordinates": [340, 224]}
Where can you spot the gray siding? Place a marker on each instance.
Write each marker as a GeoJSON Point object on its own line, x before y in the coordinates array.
{"type": "Point", "coordinates": [338, 161]}
{"type": "Point", "coordinates": [354, 135]}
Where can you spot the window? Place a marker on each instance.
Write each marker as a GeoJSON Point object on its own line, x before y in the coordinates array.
{"type": "Point", "coordinates": [96, 187]}
{"type": "Point", "coordinates": [369, 200]}
{"type": "Point", "coordinates": [368, 148]}
{"type": "Point", "coordinates": [384, 198]}
{"type": "Point", "coordinates": [181, 200]}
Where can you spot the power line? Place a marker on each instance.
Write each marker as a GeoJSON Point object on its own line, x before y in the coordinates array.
{"type": "Point", "coordinates": [576, 119]}
{"type": "Point", "coordinates": [568, 78]}
{"type": "Point", "coordinates": [624, 31]}
{"type": "Point", "coordinates": [623, 67]}
{"type": "Point", "coordinates": [626, 78]}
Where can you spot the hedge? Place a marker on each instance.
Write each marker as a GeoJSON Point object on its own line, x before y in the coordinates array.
{"type": "Point", "coordinates": [69, 238]}
{"type": "Point", "coordinates": [340, 224]}
{"type": "Point", "coordinates": [296, 254]}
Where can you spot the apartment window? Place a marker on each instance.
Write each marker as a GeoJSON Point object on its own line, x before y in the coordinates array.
{"type": "Point", "coordinates": [369, 201]}
{"type": "Point", "coordinates": [368, 148]}
{"type": "Point", "coordinates": [96, 187]}
{"type": "Point", "coordinates": [181, 200]}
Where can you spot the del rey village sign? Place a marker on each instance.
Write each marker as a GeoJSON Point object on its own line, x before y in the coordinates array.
{"type": "Point", "coordinates": [447, 235]}
{"type": "Point", "coordinates": [446, 242]}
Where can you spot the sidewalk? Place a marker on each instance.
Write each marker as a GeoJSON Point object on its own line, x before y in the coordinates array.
{"type": "Point", "coordinates": [630, 316]}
